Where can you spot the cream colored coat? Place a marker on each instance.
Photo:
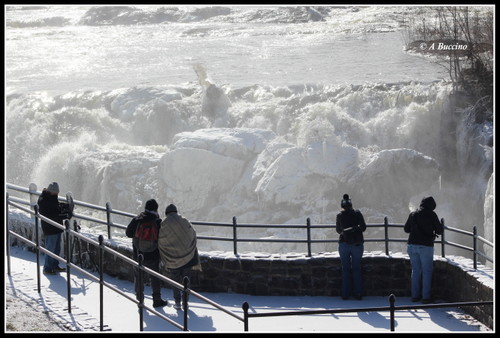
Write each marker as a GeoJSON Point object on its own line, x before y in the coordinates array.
{"type": "Point", "coordinates": [176, 241]}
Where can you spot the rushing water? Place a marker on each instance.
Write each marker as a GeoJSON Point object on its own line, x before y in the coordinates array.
{"type": "Point", "coordinates": [311, 103]}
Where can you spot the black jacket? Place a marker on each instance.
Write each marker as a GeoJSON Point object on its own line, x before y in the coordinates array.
{"type": "Point", "coordinates": [423, 224]}
{"type": "Point", "coordinates": [350, 225]}
{"type": "Point", "coordinates": [49, 207]}
{"type": "Point", "coordinates": [132, 226]}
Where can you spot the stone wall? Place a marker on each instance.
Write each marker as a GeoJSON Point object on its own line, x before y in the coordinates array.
{"type": "Point", "coordinates": [454, 278]}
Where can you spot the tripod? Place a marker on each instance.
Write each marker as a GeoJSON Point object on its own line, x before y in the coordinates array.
{"type": "Point", "coordinates": [89, 262]}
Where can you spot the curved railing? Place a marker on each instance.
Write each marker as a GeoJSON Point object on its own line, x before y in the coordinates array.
{"type": "Point", "coordinates": [308, 229]}
{"type": "Point", "coordinates": [69, 234]}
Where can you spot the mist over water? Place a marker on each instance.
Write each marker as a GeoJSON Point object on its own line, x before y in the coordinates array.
{"type": "Point", "coordinates": [299, 106]}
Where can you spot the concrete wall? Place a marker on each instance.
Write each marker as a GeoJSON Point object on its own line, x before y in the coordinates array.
{"type": "Point", "coordinates": [454, 279]}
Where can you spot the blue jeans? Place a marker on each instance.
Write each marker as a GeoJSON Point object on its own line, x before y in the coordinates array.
{"type": "Point", "coordinates": [350, 256]}
{"type": "Point", "coordinates": [53, 244]}
{"type": "Point", "coordinates": [421, 258]}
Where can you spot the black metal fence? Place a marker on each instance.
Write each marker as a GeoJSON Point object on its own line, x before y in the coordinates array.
{"type": "Point", "coordinates": [391, 308]}
{"type": "Point", "coordinates": [308, 229]}
{"type": "Point", "coordinates": [69, 234]}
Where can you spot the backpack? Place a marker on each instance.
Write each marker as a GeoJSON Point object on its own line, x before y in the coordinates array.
{"type": "Point", "coordinates": [146, 236]}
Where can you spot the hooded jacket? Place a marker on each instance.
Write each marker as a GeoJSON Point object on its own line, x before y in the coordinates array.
{"type": "Point", "coordinates": [132, 226]}
{"type": "Point", "coordinates": [423, 224]}
{"type": "Point", "coordinates": [48, 205]}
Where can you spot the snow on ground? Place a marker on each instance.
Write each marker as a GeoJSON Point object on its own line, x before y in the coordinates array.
{"type": "Point", "coordinates": [26, 310]}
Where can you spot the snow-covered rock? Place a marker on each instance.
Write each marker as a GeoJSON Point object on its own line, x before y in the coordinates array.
{"type": "Point", "coordinates": [393, 176]}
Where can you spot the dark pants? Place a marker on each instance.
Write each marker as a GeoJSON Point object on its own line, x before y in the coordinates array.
{"type": "Point", "coordinates": [178, 276]}
{"type": "Point", "coordinates": [153, 264]}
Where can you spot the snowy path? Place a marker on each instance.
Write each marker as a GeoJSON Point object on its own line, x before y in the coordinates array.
{"type": "Point", "coordinates": [121, 315]}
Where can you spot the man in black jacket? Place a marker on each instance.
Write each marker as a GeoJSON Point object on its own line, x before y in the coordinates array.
{"type": "Point", "coordinates": [151, 256]}
{"type": "Point", "coordinates": [423, 225]}
{"type": "Point", "coordinates": [49, 206]}
{"type": "Point", "coordinates": [350, 225]}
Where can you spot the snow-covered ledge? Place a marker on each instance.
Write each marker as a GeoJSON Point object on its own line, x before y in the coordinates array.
{"type": "Point", "coordinates": [295, 274]}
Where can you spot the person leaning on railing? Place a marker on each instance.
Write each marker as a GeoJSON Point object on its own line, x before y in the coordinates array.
{"type": "Point", "coordinates": [178, 248]}
{"type": "Point", "coordinates": [423, 225]}
{"type": "Point", "coordinates": [49, 206]}
{"type": "Point", "coordinates": [350, 225]}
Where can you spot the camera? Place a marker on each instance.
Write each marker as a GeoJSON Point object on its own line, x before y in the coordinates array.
{"type": "Point", "coordinates": [65, 210]}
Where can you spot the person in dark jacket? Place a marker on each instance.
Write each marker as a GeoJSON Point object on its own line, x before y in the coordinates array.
{"type": "Point", "coordinates": [49, 206]}
{"type": "Point", "coordinates": [350, 225]}
{"type": "Point", "coordinates": [151, 259]}
{"type": "Point", "coordinates": [423, 225]}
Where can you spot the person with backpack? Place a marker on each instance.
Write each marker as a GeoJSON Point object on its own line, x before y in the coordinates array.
{"type": "Point", "coordinates": [423, 225]}
{"type": "Point", "coordinates": [178, 248]}
{"type": "Point", "coordinates": [350, 225]}
{"type": "Point", "coordinates": [144, 229]}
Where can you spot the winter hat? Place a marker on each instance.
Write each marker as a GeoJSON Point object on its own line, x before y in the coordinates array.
{"type": "Point", "coordinates": [53, 187]}
{"type": "Point", "coordinates": [170, 208]}
{"type": "Point", "coordinates": [346, 201]}
{"type": "Point", "coordinates": [151, 205]}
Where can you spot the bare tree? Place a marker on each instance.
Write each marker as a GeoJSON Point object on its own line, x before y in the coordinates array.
{"type": "Point", "coordinates": [461, 38]}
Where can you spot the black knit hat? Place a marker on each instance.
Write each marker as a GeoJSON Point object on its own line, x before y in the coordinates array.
{"type": "Point", "coordinates": [170, 208]}
{"type": "Point", "coordinates": [346, 201]}
{"type": "Point", "coordinates": [151, 205]}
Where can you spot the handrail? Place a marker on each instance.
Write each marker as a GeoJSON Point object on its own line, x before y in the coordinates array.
{"type": "Point", "coordinates": [392, 308]}
{"type": "Point", "coordinates": [235, 239]}
{"type": "Point", "coordinates": [69, 232]}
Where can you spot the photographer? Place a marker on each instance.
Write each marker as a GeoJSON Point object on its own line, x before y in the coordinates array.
{"type": "Point", "coordinates": [350, 225]}
{"type": "Point", "coordinates": [50, 207]}
{"type": "Point", "coordinates": [423, 225]}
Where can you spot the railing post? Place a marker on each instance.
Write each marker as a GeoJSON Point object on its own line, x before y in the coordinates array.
{"type": "Point", "coordinates": [474, 246]}
{"type": "Point", "coordinates": [308, 225]}
{"type": "Point", "coordinates": [37, 242]}
{"type": "Point", "coordinates": [68, 262]}
{"type": "Point", "coordinates": [108, 218]}
{"type": "Point", "coordinates": [442, 239]}
{"type": "Point", "coordinates": [76, 228]}
{"type": "Point", "coordinates": [140, 292]}
{"type": "Point", "coordinates": [7, 237]}
{"type": "Point", "coordinates": [235, 237]}
{"type": "Point", "coordinates": [185, 306]}
{"type": "Point", "coordinates": [101, 282]}
{"type": "Point", "coordinates": [386, 235]}
{"type": "Point", "coordinates": [33, 197]}
{"type": "Point", "coordinates": [245, 308]}
{"type": "Point", "coordinates": [392, 300]}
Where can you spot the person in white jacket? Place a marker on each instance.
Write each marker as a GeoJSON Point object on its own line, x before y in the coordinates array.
{"type": "Point", "coordinates": [178, 248]}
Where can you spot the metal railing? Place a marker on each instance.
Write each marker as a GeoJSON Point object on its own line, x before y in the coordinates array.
{"type": "Point", "coordinates": [235, 239]}
{"type": "Point", "coordinates": [391, 308]}
{"type": "Point", "coordinates": [69, 234]}
{"type": "Point", "coordinates": [308, 229]}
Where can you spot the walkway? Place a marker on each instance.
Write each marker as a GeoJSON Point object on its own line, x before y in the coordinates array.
{"type": "Point", "coordinates": [121, 315]}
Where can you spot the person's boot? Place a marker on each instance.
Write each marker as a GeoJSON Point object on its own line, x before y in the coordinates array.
{"type": "Point", "coordinates": [160, 303]}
